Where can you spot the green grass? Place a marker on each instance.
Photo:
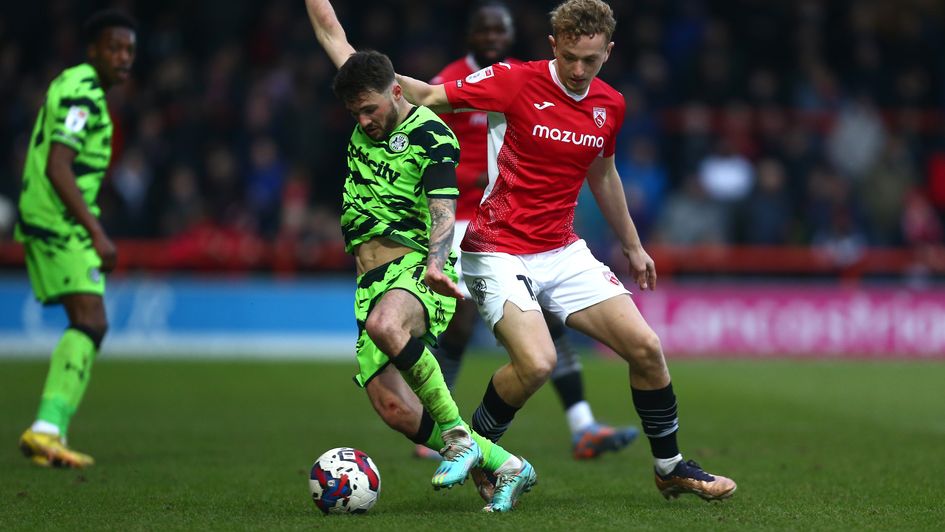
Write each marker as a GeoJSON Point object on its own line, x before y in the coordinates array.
{"type": "Point", "coordinates": [203, 445]}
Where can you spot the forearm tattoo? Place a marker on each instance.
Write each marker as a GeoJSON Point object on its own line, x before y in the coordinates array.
{"type": "Point", "coordinates": [442, 222]}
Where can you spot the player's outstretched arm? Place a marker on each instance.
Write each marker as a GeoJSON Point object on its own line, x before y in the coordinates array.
{"type": "Point", "coordinates": [442, 222]}
{"type": "Point", "coordinates": [328, 31]}
{"type": "Point", "coordinates": [422, 93]}
{"type": "Point", "coordinates": [605, 184]}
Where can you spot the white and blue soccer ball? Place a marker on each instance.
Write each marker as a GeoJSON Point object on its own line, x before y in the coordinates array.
{"type": "Point", "coordinates": [344, 480]}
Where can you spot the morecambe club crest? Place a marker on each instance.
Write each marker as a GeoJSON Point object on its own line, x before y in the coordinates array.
{"type": "Point", "coordinates": [600, 116]}
{"type": "Point", "coordinates": [609, 275]}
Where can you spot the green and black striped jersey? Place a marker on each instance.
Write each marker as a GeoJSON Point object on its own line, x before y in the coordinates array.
{"type": "Point", "coordinates": [74, 114]}
{"type": "Point", "coordinates": [390, 180]}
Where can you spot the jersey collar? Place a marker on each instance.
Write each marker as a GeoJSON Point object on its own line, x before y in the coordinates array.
{"type": "Point", "coordinates": [471, 63]}
{"type": "Point", "coordinates": [94, 73]}
{"type": "Point", "coordinates": [554, 76]}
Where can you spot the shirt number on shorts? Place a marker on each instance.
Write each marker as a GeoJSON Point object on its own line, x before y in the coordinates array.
{"type": "Point", "coordinates": [528, 286]}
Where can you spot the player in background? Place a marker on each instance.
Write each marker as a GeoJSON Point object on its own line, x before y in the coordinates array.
{"type": "Point", "coordinates": [490, 34]}
{"type": "Point", "coordinates": [398, 218]}
{"type": "Point", "coordinates": [67, 250]}
{"type": "Point", "coordinates": [551, 124]}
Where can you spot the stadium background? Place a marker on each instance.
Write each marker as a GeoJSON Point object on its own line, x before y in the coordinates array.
{"type": "Point", "coordinates": [768, 146]}
{"type": "Point", "coordinates": [785, 163]}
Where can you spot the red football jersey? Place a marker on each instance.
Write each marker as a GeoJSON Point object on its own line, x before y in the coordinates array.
{"type": "Point", "coordinates": [542, 140]}
{"type": "Point", "coordinates": [472, 131]}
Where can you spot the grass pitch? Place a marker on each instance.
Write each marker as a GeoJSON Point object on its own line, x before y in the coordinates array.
{"type": "Point", "coordinates": [220, 446]}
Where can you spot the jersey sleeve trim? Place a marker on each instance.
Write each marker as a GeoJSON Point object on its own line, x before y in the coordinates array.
{"type": "Point", "coordinates": [68, 141]}
{"type": "Point", "coordinates": [439, 181]}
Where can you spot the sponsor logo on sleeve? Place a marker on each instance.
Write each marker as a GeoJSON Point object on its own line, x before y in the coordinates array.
{"type": "Point", "coordinates": [600, 116]}
{"type": "Point", "coordinates": [76, 119]}
{"type": "Point", "coordinates": [480, 75]}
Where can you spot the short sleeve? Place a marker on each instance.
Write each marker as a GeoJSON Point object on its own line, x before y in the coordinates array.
{"type": "Point", "coordinates": [491, 89]}
{"type": "Point", "coordinates": [439, 181]}
{"type": "Point", "coordinates": [435, 143]}
{"type": "Point", "coordinates": [436, 146]}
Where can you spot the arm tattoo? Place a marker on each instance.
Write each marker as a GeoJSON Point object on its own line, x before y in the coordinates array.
{"type": "Point", "coordinates": [442, 221]}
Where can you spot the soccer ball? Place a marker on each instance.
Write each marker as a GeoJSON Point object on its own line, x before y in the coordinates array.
{"type": "Point", "coordinates": [344, 480]}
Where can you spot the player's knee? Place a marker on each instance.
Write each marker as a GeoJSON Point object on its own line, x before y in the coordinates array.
{"type": "Point", "coordinates": [651, 346]}
{"type": "Point", "coordinates": [536, 372]}
{"type": "Point", "coordinates": [95, 329]}
{"type": "Point", "coordinates": [381, 330]}
{"type": "Point", "coordinates": [647, 353]}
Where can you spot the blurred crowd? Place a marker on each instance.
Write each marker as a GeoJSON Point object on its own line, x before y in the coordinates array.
{"type": "Point", "coordinates": [749, 121]}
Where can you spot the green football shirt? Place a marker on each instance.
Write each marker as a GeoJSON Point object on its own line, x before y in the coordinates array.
{"type": "Point", "coordinates": [389, 181]}
{"type": "Point", "coordinates": [74, 114]}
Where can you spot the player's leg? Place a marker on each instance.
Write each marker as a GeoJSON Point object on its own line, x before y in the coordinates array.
{"type": "Point", "coordinates": [402, 411]}
{"type": "Point", "coordinates": [617, 323]}
{"type": "Point", "coordinates": [451, 345]}
{"type": "Point", "coordinates": [394, 325]}
{"type": "Point", "coordinates": [589, 438]}
{"type": "Point", "coordinates": [398, 406]}
{"type": "Point", "coordinates": [394, 311]}
{"type": "Point", "coordinates": [506, 297]}
{"type": "Point", "coordinates": [68, 274]}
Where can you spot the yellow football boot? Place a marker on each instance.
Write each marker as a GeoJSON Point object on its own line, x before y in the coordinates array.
{"type": "Point", "coordinates": [46, 450]}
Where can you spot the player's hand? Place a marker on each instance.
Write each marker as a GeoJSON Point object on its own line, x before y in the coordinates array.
{"type": "Point", "coordinates": [408, 86]}
{"type": "Point", "coordinates": [440, 283]}
{"type": "Point", "coordinates": [106, 251]}
{"type": "Point", "coordinates": [642, 267]}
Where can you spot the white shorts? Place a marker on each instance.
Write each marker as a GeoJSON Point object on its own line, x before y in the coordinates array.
{"type": "Point", "coordinates": [459, 232]}
{"type": "Point", "coordinates": [561, 281]}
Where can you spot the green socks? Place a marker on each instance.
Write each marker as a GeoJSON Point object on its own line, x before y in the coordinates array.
{"type": "Point", "coordinates": [70, 370]}
{"type": "Point", "coordinates": [493, 454]}
{"type": "Point", "coordinates": [422, 373]}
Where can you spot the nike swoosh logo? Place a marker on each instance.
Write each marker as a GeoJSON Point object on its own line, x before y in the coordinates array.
{"type": "Point", "coordinates": [543, 105]}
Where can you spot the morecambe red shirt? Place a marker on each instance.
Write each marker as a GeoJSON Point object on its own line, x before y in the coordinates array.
{"type": "Point", "coordinates": [472, 131]}
{"type": "Point", "coordinates": [542, 140]}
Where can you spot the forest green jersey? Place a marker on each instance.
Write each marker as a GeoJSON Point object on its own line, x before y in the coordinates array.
{"type": "Point", "coordinates": [390, 180]}
{"type": "Point", "coordinates": [74, 114]}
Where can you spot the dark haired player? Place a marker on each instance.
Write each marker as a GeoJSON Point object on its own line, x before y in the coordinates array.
{"type": "Point", "coordinates": [397, 219]}
{"type": "Point", "coordinates": [67, 250]}
{"type": "Point", "coordinates": [490, 34]}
